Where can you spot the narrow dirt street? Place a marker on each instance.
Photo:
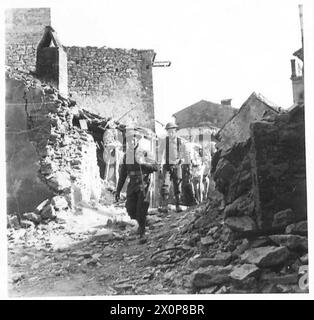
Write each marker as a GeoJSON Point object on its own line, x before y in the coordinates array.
{"type": "Point", "coordinates": [95, 251]}
{"type": "Point", "coordinates": [104, 259]}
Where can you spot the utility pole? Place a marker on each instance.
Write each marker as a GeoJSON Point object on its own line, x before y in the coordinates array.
{"type": "Point", "coordinates": [301, 24]}
{"type": "Point", "coordinates": [302, 37]}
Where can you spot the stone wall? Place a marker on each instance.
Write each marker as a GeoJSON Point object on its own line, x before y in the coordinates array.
{"type": "Point", "coordinates": [23, 30]}
{"type": "Point", "coordinates": [54, 157]}
{"type": "Point", "coordinates": [106, 81]}
{"type": "Point", "coordinates": [237, 129]}
{"type": "Point", "coordinates": [24, 188]}
{"type": "Point", "coordinates": [279, 167]}
{"type": "Point", "coordinates": [110, 82]}
{"type": "Point", "coordinates": [263, 179]}
{"type": "Point", "coordinates": [232, 174]}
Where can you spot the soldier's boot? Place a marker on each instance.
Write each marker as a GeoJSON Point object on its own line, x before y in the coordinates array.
{"type": "Point", "coordinates": [178, 207]}
{"type": "Point", "coordinates": [143, 238]}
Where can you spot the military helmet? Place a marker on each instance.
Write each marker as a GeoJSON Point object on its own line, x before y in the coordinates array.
{"type": "Point", "coordinates": [171, 125]}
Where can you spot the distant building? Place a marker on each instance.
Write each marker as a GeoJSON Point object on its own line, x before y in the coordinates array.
{"type": "Point", "coordinates": [203, 118]}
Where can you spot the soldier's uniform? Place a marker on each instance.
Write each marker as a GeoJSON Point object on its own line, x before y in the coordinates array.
{"type": "Point", "coordinates": [138, 167]}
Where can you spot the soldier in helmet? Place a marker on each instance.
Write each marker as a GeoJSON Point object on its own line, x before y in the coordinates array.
{"type": "Point", "coordinates": [138, 166]}
{"type": "Point", "coordinates": [170, 153]}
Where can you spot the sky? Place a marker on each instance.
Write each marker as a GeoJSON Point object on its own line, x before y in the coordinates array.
{"type": "Point", "coordinates": [218, 49]}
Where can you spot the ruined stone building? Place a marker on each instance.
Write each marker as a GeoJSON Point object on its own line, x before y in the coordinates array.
{"type": "Point", "coordinates": [106, 81]}
{"type": "Point", "coordinates": [50, 88]}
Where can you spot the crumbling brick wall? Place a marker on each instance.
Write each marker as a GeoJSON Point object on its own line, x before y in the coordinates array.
{"type": "Point", "coordinates": [62, 157]}
{"type": "Point", "coordinates": [237, 129]}
{"type": "Point", "coordinates": [264, 175]}
{"type": "Point", "coordinates": [110, 82]}
{"type": "Point", "coordinates": [279, 171]}
{"type": "Point", "coordinates": [23, 31]}
{"type": "Point", "coordinates": [106, 81]}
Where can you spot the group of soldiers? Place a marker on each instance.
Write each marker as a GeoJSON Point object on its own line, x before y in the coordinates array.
{"type": "Point", "coordinates": [138, 165]}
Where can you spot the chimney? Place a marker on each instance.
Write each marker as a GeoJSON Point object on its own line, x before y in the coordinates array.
{"type": "Point", "coordinates": [226, 102]}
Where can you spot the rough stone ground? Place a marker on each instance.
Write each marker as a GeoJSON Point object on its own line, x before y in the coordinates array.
{"type": "Point", "coordinates": [95, 253]}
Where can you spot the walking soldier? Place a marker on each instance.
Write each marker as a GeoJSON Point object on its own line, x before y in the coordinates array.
{"type": "Point", "coordinates": [138, 165]}
{"type": "Point", "coordinates": [170, 151]}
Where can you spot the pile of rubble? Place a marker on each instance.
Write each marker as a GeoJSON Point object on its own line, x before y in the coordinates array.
{"type": "Point", "coordinates": [265, 264]}
{"type": "Point", "coordinates": [67, 154]}
{"type": "Point", "coordinates": [259, 243]}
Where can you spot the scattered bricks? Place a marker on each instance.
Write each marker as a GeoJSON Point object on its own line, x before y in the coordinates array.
{"type": "Point", "coordinates": [240, 224]}
{"type": "Point", "coordinates": [212, 230]}
{"type": "Point", "coordinates": [266, 256]}
{"type": "Point", "coordinates": [283, 218]}
{"type": "Point", "coordinates": [291, 241]}
{"type": "Point", "coordinates": [226, 234]}
{"type": "Point", "coordinates": [195, 237]}
{"type": "Point", "coordinates": [241, 206]}
{"type": "Point", "coordinates": [76, 162]}
{"type": "Point", "coordinates": [13, 222]}
{"type": "Point", "coordinates": [260, 242]}
{"type": "Point", "coordinates": [59, 203]}
{"type": "Point", "coordinates": [27, 224]}
{"type": "Point", "coordinates": [206, 241]}
{"type": "Point", "coordinates": [32, 217]}
{"type": "Point", "coordinates": [242, 272]}
{"type": "Point", "coordinates": [221, 259]}
{"type": "Point", "coordinates": [297, 228]}
{"type": "Point", "coordinates": [241, 248]}
{"type": "Point", "coordinates": [60, 181]}
{"type": "Point", "coordinates": [199, 262]}
{"type": "Point", "coordinates": [48, 213]}
{"type": "Point", "coordinates": [41, 206]}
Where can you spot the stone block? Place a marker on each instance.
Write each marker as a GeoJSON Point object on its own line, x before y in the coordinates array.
{"type": "Point", "coordinates": [210, 276]}
{"type": "Point", "coordinates": [48, 213]}
{"type": "Point", "coordinates": [266, 256]}
{"type": "Point", "coordinates": [242, 272]}
{"type": "Point", "coordinates": [283, 218]}
{"type": "Point", "coordinates": [240, 224]}
{"type": "Point", "coordinates": [290, 241]}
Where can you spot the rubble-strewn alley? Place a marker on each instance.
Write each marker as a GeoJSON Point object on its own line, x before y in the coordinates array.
{"type": "Point", "coordinates": [186, 253]}
{"type": "Point", "coordinates": [71, 146]}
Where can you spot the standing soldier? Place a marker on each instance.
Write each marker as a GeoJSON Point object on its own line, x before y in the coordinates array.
{"type": "Point", "coordinates": [170, 152]}
{"type": "Point", "coordinates": [138, 166]}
